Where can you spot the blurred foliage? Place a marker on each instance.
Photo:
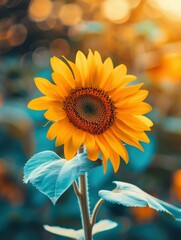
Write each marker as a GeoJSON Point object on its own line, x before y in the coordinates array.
{"type": "Point", "coordinates": [144, 35]}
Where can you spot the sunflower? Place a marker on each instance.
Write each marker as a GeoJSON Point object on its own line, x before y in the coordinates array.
{"type": "Point", "coordinates": [90, 104]}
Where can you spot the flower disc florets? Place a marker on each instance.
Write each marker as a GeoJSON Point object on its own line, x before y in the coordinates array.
{"type": "Point", "coordinates": [90, 109]}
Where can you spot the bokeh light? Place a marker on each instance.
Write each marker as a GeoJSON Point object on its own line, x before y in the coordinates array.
{"type": "Point", "coordinates": [70, 14]}
{"type": "Point", "coordinates": [171, 9]}
{"type": "Point", "coordinates": [134, 3]}
{"type": "Point", "coordinates": [40, 10]}
{"type": "Point", "coordinates": [176, 184]}
{"type": "Point", "coordinates": [16, 34]}
{"type": "Point", "coordinates": [116, 10]}
{"type": "Point", "coordinates": [59, 47]}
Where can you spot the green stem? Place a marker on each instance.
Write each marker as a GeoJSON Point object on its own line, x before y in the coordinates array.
{"type": "Point", "coordinates": [83, 199]}
{"type": "Point", "coordinates": [83, 196]}
{"type": "Point", "coordinates": [94, 213]}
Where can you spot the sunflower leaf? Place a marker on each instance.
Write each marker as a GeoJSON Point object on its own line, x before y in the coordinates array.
{"type": "Point", "coordinates": [52, 175]}
{"type": "Point", "coordinates": [101, 226]}
{"type": "Point", "coordinates": [65, 232]}
{"type": "Point", "coordinates": [130, 195]}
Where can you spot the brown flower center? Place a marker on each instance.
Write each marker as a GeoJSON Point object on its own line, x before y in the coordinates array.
{"type": "Point", "coordinates": [90, 109]}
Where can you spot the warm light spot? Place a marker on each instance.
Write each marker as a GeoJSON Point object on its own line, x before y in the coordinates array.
{"type": "Point", "coordinates": [143, 214]}
{"type": "Point", "coordinates": [59, 47]}
{"type": "Point", "coordinates": [116, 10]}
{"type": "Point", "coordinates": [148, 11]}
{"type": "Point", "coordinates": [70, 14]}
{"type": "Point", "coordinates": [16, 34]}
{"type": "Point", "coordinates": [171, 9]}
{"type": "Point", "coordinates": [176, 184]}
{"type": "Point", "coordinates": [57, 5]}
{"type": "Point", "coordinates": [5, 24]}
{"type": "Point", "coordinates": [177, 179]}
{"type": "Point", "coordinates": [167, 70]}
{"type": "Point", "coordinates": [40, 10]}
{"type": "Point", "coordinates": [50, 23]}
{"type": "Point", "coordinates": [134, 3]}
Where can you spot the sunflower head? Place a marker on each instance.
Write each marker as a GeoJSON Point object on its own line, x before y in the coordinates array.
{"type": "Point", "coordinates": [90, 104]}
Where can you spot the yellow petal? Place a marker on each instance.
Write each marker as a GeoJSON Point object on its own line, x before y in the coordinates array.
{"type": "Point", "coordinates": [94, 69]}
{"type": "Point", "coordinates": [77, 75]}
{"type": "Point", "coordinates": [69, 150]}
{"type": "Point", "coordinates": [47, 88]}
{"type": "Point", "coordinates": [128, 79]}
{"type": "Point", "coordinates": [93, 154]}
{"type": "Point", "coordinates": [60, 67]}
{"type": "Point", "coordinates": [92, 147]}
{"type": "Point", "coordinates": [104, 162]}
{"type": "Point", "coordinates": [124, 92]}
{"type": "Point", "coordinates": [118, 74]}
{"type": "Point", "coordinates": [135, 123]}
{"type": "Point", "coordinates": [143, 137]}
{"type": "Point", "coordinates": [81, 63]}
{"type": "Point", "coordinates": [55, 113]}
{"type": "Point", "coordinates": [105, 72]}
{"type": "Point", "coordinates": [126, 138]}
{"type": "Point", "coordinates": [145, 120]}
{"type": "Point", "coordinates": [138, 109]}
{"type": "Point", "coordinates": [41, 103]}
{"type": "Point", "coordinates": [107, 152]}
{"type": "Point", "coordinates": [97, 59]}
{"type": "Point", "coordinates": [78, 137]}
{"type": "Point", "coordinates": [115, 144]}
{"type": "Point", "coordinates": [133, 133]}
{"type": "Point", "coordinates": [101, 142]}
{"type": "Point", "coordinates": [62, 130]}
{"type": "Point", "coordinates": [132, 100]}
{"type": "Point", "coordinates": [63, 86]}
{"type": "Point", "coordinates": [91, 66]}
{"type": "Point", "coordinates": [139, 96]}
{"type": "Point", "coordinates": [115, 160]}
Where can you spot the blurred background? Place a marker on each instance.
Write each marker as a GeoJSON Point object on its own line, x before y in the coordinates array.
{"type": "Point", "coordinates": [143, 34]}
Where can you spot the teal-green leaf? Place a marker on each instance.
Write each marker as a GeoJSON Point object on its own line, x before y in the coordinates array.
{"type": "Point", "coordinates": [52, 175]}
{"type": "Point", "coordinates": [65, 232]}
{"type": "Point", "coordinates": [100, 226]}
{"type": "Point", "coordinates": [130, 195]}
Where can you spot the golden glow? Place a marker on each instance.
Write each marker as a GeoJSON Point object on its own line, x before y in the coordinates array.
{"type": "Point", "coordinates": [143, 215]}
{"type": "Point", "coordinates": [39, 10]}
{"type": "Point", "coordinates": [116, 10]}
{"type": "Point", "coordinates": [134, 3]}
{"type": "Point", "coordinates": [70, 14]}
{"type": "Point", "coordinates": [176, 184]}
{"type": "Point", "coordinates": [148, 11]}
{"type": "Point", "coordinates": [167, 72]}
{"type": "Point", "coordinates": [171, 8]}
